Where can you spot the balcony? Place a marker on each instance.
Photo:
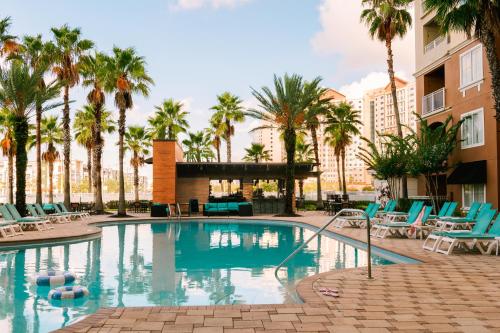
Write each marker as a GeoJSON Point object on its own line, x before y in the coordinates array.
{"type": "Point", "coordinates": [433, 102]}
{"type": "Point", "coordinates": [432, 45]}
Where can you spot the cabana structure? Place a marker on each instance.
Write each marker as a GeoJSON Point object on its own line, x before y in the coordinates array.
{"type": "Point", "coordinates": [178, 181]}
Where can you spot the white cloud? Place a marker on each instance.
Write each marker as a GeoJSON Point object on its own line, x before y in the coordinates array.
{"type": "Point", "coordinates": [343, 35]}
{"type": "Point", "coordinates": [197, 4]}
{"type": "Point", "coordinates": [371, 81]}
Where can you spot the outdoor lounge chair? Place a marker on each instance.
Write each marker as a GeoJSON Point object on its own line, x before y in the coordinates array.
{"type": "Point", "coordinates": [54, 218]}
{"type": "Point", "coordinates": [8, 226]}
{"type": "Point", "coordinates": [23, 222]}
{"type": "Point", "coordinates": [452, 222]}
{"type": "Point", "coordinates": [382, 230]}
{"type": "Point", "coordinates": [61, 209]}
{"type": "Point", "coordinates": [388, 208]}
{"type": "Point", "coordinates": [415, 208]}
{"type": "Point", "coordinates": [42, 213]}
{"type": "Point", "coordinates": [357, 220]}
{"type": "Point", "coordinates": [469, 240]}
{"type": "Point", "coordinates": [480, 226]}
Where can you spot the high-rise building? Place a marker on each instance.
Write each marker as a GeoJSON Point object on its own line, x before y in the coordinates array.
{"type": "Point", "coordinates": [453, 79]}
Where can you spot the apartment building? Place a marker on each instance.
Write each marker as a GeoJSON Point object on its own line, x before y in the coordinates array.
{"type": "Point", "coordinates": [453, 79]}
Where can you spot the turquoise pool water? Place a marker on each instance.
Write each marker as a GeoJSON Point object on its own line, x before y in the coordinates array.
{"type": "Point", "coordinates": [195, 263]}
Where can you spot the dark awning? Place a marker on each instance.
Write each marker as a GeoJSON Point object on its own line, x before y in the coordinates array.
{"type": "Point", "coordinates": [469, 173]}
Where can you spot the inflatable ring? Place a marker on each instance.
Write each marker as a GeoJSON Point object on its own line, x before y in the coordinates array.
{"type": "Point", "coordinates": [54, 278]}
{"type": "Point", "coordinates": [70, 292]}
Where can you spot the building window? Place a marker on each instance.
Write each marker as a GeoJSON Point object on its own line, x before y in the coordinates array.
{"type": "Point", "coordinates": [471, 67]}
{"type": "Point", "coordinates": [473, 129]}
{"type": "Point", "coordinates": [473, 193]}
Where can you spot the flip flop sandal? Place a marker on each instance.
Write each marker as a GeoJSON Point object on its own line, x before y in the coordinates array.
{"type": "Point", "coordinates": [331, 294]}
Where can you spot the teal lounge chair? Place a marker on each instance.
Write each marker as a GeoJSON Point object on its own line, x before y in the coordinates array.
{"type": "Point", "coordinates": [41, 214]}
{"type": "Point", "coordinates": [357, 220]}
{"type": "Point", "coordinates": [451, 222]}
{"type": "Point", "coordinates": [8, 226]}
{"type": "Point", "coordinates": [477, 237]}
{"type": "Point", "coordinates": [61, 209]}
{"type": "Point", "coordinates": [442, 212]}
{"type": "Point", "coordinates": [415, 208]}
{"type": "Point", "coordinates": [10, 212]}
{"type": "Point", "coordinates": [480, 226]}
{"type": "Point", "coordinates": [388, 208]}
{"type": "Point", "coordinates": [382, 230]}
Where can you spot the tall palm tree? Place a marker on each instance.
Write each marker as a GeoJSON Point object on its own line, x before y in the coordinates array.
{"type": "Point", "coordinates": [312, 121]}
{"type": "Point", "coordinates": [480, 18]}
{"type": "Point", "coordinates": [52, 136]}
{"type": "Point", "coordinates": [84, 120]}
{"type": "Point", "coordinates": [256, 153]}
{"type": "Point", "coordinates": [169, 120]}
{"type": "Point", "coordinates": [39, 55]}
{"type": "Point", "coordinates": [216, 132]}
{"type": "Point", "coordinates": [197, 147]}
{"type": "Point", "coordinates": [69, 48]}
{"type": "Point", "coordinates": [137, 141]}
{"type": "Point", "coordinates": [229, 111]}
{"type": "Point", "coordinates": [127, 76]}
{"type": "Point", "coordinates": [305, 154]}
{"type": "Point", "coordinates": [342, 124]}
{"type": "Point", "coordinates": [93, 69]}
{"type": "Point", "coordinates": [20, 94]}
{"type": "Point", "coordinates": [386, 20]}
{"type": "Point", "coordinates": [332, 139]}
{"type": "Point", "coordinates": [8, 148]}
{"type": "Point", "coordinates": [8, 43]}
{"type": "Point", "coordinates": [285, 109]}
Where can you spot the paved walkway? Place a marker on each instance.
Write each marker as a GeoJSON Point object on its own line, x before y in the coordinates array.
{"type": "Point", "coordinates": [457, 293]}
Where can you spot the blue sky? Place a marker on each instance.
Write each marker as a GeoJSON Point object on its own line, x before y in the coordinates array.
{"type": "Point", "coordinates": [196, 49]}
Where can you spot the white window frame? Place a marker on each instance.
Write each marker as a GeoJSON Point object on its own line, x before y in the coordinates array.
{"type": "Point", "coordinates": [477, 82]}
{"type": "Point", "coordinates": [473, 199]}
{"type": "Point", "coordinates": [464, 146]}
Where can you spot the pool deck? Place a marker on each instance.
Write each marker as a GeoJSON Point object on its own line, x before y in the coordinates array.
{"type": "Point", "coordinates": [458, 293]}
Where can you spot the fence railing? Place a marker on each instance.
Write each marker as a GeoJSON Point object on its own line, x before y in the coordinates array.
{"type": "Point", "coordinates": [432, 45]}
{"type": "Point", "coordinates": [433, 102]}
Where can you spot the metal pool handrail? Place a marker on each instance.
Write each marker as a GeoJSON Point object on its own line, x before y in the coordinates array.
{"type": "Point", "coordinates": [345, 210]}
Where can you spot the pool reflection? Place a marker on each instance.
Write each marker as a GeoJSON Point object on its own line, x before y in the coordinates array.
{"type": "Point", "coordinates": [165, 264]}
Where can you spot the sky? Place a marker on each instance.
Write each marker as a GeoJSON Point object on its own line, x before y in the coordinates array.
{"type": "Point", "coordinates": [197, 49]}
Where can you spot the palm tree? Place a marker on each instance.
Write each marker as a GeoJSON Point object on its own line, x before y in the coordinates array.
{"type": "Point", "coordinates": [197, 147]}
{"type": "Point", "coordinates": [342, 124]}
{"type": "Point", "coordinates": [169, 120]}
{"type": "Point", "coordinates": [8, 44]}
{"type": "Point", "coordinates": [256, 153]}
{"type": "Point", "coordinates": [84, 120]}
{"type": "Point", "coordinates": [332, 140]}
{"type": "Point", "coordinates": [20, 93]}
{"type": "Point", "coordinates": [69, 48]}
{"type": "Point", "coordinates": [312, 120]}
{"type": "Point", "coordinates": [8, 148]}
{"type": "Point", "coordinates": [127, 76]}
{"type": "Point", "coordinates": [216, 132]}
{"type": "Point", "coordinates": [93, 69]}
{"type": "Point", "coordinates": [305, 154]}
{"type": "Point", "coordinates": [386, 20]}
{"type": "Point", "coordinates": [229, 111]}
{"type": "Point", "coordinates": [38, 54]}
{"type": "Point", "coordinates": [480, 18]}
{"type": "Point", "coordinates": [285, 108]}
{"type": "Point", "coordinates": [52, 135]}
{"type": "Point", "coordinates": [137, 141]}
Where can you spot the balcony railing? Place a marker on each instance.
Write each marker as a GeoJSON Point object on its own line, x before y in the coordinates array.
{"type": "Point", "coordinates": [433, 102]}
{"type": "Point", "coordinates": [432, 45]}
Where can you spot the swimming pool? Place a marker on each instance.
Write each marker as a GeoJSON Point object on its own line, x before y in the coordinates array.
{"type": "Point", "coordinates": [189, 263]}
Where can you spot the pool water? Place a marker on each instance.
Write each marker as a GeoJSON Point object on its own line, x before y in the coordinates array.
{"type": "Point", "coordinates": [192, 263]}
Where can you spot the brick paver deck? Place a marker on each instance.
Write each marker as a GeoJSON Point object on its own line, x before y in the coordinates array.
{"type": "Point", "coordinates": [457, 293]}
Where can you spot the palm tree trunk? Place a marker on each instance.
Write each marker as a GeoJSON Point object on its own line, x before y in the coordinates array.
{"type": "Point", "coordinates": [339, 174]}
{"type": "Point", "coordinates": [67, 149]}
{"type": "Point", "coordinates": [217, 148]}
{"type": "Point", "coordinates": [489, 41]}
{"type": "Point", "coordinates": [89, 167]}
{"type": "Point", "coordinates": [121, 154]}
{"type": "Point", "coordinates": [97, 156]}
{"type": "Point", "coordinates": [51, 184]}
{"type": "Point", "coordinates": [344, 185]}
{"type": "Point", "coordinates": [301, 188]}
{"type": "Point", "coordinates": [390, 69]}
{"type": "Point", "coordinates": [11, 177]}
{"type": "Point", "coordinates": [21, 136]}
{"type": "Point", "coordinates": [228, 140]}
{"type": "Point", "coordinates": [290, 138]}
{"type": "Point", "coordinates": [38, 139]}
{"type": "Point", "coordinates": [136, 177]}
{"type": "Point", "coordinates": [319, 196]}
